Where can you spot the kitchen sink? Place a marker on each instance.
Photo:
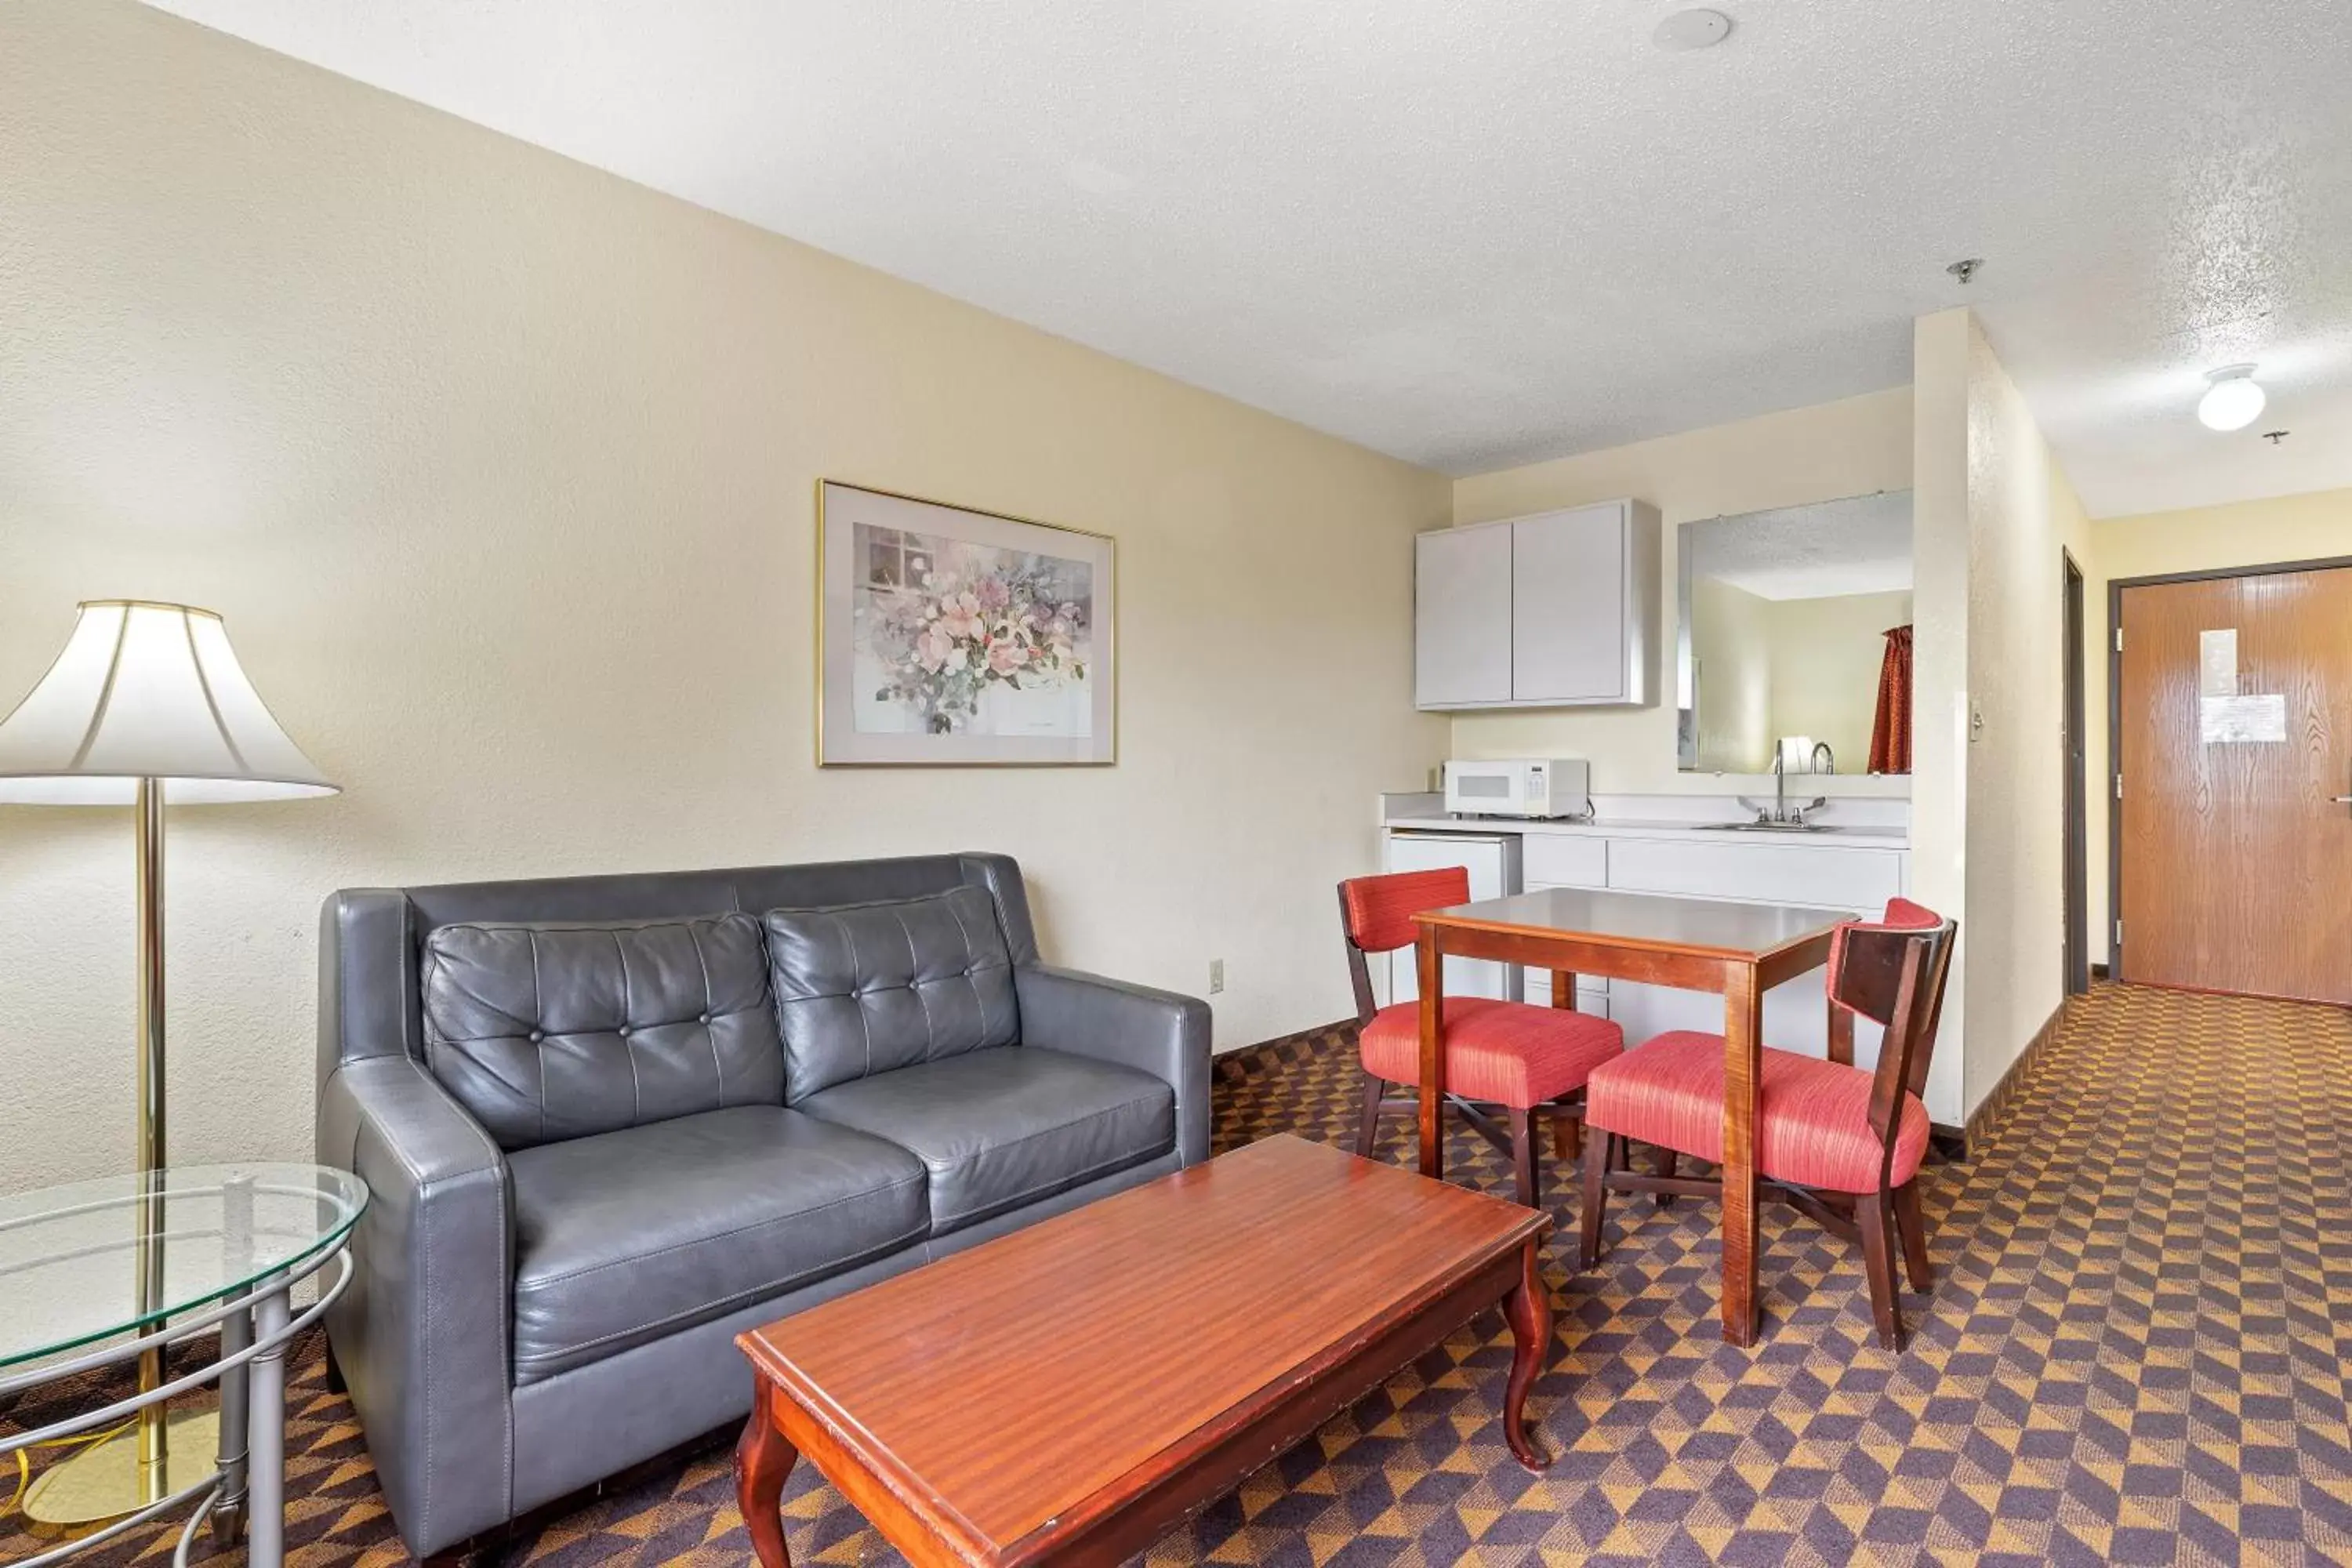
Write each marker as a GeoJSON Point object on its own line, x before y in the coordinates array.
{"type": "Point", "coordinates": [1768, 827]}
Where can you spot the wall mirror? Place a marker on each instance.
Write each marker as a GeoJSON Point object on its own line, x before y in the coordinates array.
{"type": "Point", "coordinates": [1794, 639]}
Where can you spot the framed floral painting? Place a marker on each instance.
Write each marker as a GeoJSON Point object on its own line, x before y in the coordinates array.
{"type": "Point", "coordinates": [956, 638]}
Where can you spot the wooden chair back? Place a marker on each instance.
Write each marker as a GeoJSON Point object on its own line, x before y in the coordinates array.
{"type": "Point", "coordinates": [1894, 975]}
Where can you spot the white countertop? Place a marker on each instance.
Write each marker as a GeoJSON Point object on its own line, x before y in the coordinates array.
{"type": "Point", "coordinates": [1857, 837]}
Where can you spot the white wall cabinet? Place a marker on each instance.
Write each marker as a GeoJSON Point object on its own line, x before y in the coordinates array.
{"type": "Point", "coordinates": [1462, 618]}
{"type": "Point", "coordinates": [1556, 610]}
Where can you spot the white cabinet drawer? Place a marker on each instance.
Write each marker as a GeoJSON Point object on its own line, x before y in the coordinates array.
{"type": "Point", "coordinates": [1535, 985]}
{"type": "Point", "coordinates": [1559, 860]}
{"type": "Point", "coordinates": [1858, 882]}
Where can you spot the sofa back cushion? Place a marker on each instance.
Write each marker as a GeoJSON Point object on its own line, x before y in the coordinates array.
{"type": "Point", "coordinates": [548, 1030]}
{"type": "Point", "coordinates": [864, 988]}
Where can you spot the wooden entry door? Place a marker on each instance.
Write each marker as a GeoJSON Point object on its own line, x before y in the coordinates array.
{"type": "Point", "coordinates": [2234, 738]}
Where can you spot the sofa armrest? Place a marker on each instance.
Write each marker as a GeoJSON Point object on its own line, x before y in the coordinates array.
{"type": "Point", "coordinates": [422, 1335]}
{"type": "Point", "coordinates": [1157, 1032]}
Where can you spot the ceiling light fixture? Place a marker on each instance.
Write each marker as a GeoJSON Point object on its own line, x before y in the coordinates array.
{"type": "Point", "coordinates": [1696, 30]}
{"type": "Point", "coordinates": [2233, 401]}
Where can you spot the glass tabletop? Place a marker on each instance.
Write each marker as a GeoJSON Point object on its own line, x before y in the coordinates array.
{"type": "Point", "coordinates": [74, 1259]}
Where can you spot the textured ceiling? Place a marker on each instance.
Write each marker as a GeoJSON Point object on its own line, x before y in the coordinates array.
{"type": "Point", "coordinates": [1476, 232]}
{"type": "Point", "coordinates": [1859, 545]}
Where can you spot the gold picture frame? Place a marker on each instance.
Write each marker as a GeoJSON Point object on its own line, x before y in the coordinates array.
{"type": "Point", "coordinates": [952, 637]}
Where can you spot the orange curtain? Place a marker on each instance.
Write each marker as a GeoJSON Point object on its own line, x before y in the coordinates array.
{"type": "Point", "coordinates": [1890, 732]}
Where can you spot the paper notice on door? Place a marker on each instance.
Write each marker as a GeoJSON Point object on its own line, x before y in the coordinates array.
{"type": "Point", "coordinates": [2233, 721]}
{"type": "Point", "coordinates": [2216, 663]}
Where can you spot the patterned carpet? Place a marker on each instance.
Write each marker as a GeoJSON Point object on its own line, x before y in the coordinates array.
{"type": "Point", "coordinates": [2135, 1352]}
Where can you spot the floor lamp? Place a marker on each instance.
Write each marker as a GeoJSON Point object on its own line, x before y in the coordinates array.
{"type": "Point", "coordinates": [146, 706]}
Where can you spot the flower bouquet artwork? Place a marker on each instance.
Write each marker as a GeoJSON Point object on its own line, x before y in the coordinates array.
{"type": "Point", "coordinates": [955, 636]}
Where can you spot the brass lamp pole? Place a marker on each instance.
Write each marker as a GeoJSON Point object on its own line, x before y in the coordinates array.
{"type": "Point", "coordinates": [146, 704]}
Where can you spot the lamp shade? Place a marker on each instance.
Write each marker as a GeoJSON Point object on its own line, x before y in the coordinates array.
{"type": "Point", "coordinates": [148, 692]}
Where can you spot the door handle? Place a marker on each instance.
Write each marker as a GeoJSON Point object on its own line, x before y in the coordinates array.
{"type": "Point", "coordinates": [2339, 800]}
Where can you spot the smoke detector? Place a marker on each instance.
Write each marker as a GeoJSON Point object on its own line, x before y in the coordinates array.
{"type": "Point", "coordinates": [1694, 29]}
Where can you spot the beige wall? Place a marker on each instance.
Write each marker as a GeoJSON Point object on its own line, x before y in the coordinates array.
{"type": "Point", "coordinates": [2316, 527]}
{"type": "Point", "coordinates": [2024, 517]}
{"type": "Point", "coordinates": [1940, 353]}
{"type": "Point", "coordinates": [1854, 446]}
{"type": "Point", "coordinates": [1992, 514]}
{"type": "Point", "coordinates": [502, 470]}
{"type": "Point", "coordinates": [1827, 655]}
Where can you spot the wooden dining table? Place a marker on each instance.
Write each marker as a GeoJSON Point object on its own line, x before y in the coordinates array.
{"type": "Point", "coordinates": [1738, 951]}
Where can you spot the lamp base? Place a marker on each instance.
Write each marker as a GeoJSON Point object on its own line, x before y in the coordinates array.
{"type": "Point", "coordinates": [101, 1482]}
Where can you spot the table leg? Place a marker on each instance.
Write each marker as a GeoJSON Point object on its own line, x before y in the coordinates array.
{"type": "Point", "coordinates": [1528, 1309]}
{"type": "Point", "coordinates": [764, 1456]}
{"type": "Point", "coordinates": [1432, 976]}
{"type": "Point", "coordinates": [235, 1334]}
{"type": "Point", "coordinates": [236, 1436]}
{"type": "Point", "coordinates": [1743, 1063]}
{"type": "Point", "coordinates": [266, 1521]}
{"type": "Point", "coordinates": [1567, 1136]}
{"type": "Point", "coordinates": [1840, 1046]}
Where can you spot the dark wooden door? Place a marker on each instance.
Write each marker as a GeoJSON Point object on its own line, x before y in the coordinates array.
{"type": "Point", "coordinates": [2234, 733]}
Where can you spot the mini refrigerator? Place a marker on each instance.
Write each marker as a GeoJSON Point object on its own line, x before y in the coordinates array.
{"type": "Point", "coordinates": [1493, 859]}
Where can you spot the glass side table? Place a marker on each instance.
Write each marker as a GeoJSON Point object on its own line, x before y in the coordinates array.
{"type": "Point", "coordinates": [118, 1270]}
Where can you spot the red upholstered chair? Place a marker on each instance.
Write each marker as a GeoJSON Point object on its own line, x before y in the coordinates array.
{"type": "Point", "coordinates": [1840, 1142]}
{"type": "Point", "coordinates": [1528, 1061]}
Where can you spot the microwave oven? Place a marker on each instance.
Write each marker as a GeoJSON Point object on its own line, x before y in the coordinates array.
{"type": "Point", "coordinates": [1518, 787]}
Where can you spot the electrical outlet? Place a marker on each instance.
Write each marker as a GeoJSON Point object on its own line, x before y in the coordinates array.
{"type": "Point", "coordinates": [1216, 976]}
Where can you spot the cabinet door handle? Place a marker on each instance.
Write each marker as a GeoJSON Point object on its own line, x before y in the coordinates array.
{"type": "Point", "coordinates": [2340, 800]}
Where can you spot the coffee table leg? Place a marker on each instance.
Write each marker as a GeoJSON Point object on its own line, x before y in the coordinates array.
{"type": "Point", "coordinates": [1528, 1308]}
{"type": "Point", "coordinates": [763, 1459]}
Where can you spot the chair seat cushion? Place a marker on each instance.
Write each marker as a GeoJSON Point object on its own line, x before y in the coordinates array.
{"type": "Point", "coordinates": [1009, 1125]}
{"type": "Point", "coordinates": [628, 1236]}
{"type": "Point", "coordinates": [1813, 1129]}
{"type": "Point", "coordinates": [1511, 1052]}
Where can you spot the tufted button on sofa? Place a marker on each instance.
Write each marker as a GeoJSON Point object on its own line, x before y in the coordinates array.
{"type": "Point", "coordinates": [609, 1122]}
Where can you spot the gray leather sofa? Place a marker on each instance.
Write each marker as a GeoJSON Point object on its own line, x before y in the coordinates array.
{"type": "Point", "coordinates": [611, 1121]}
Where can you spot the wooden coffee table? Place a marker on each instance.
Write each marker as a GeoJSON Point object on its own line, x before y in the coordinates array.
{"type": "Point", "coordinates": [1067, 1392]}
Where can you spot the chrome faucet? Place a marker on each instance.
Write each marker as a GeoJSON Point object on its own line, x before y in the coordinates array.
{"type": "Point", "coordinates": [1781, 814]}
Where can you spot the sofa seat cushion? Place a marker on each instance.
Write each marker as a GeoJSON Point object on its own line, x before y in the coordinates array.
{"type": "Point", "coordinates": [1008, 1126]}
{"type": "Point", "coordinates": [626, 1237]}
